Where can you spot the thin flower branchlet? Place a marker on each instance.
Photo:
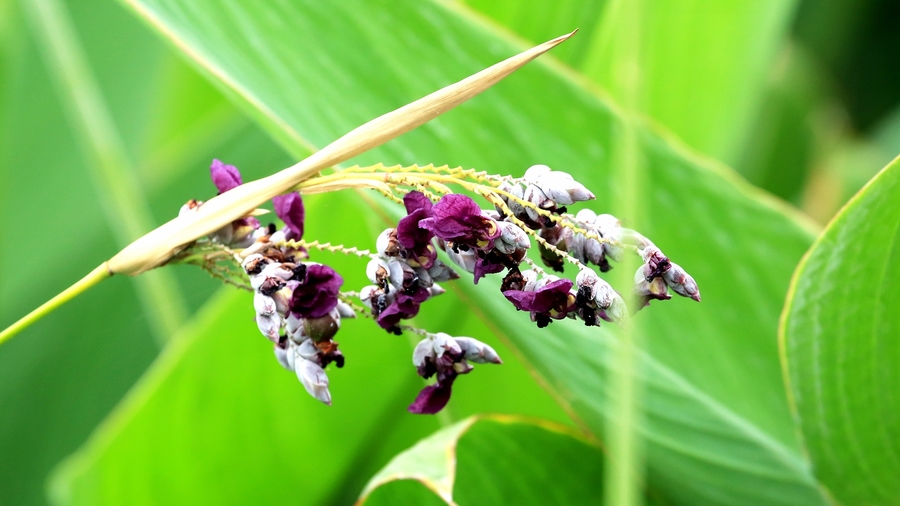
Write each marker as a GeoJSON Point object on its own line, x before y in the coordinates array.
{"type": "Point", "coordinates": [299, 303]}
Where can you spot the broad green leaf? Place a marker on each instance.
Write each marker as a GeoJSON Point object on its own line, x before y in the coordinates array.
{"type": "Point", "coordinates": [718, 427]}
{"type": "Point", "coordinates": [495, 460]}
{"type": "Point", "coordinates": [840, 347]}
{"type": "Point", "coordinates": [704, 65]}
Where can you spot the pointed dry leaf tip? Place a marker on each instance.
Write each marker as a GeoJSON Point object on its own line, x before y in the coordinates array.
{"type": "Point", "coordinates": [160, 245]}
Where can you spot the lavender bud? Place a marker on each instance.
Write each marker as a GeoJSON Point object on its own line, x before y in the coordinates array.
{"type": "Point", "coordinates": [425, 280]}
{"type": "Point", "coordinates": [263, 304]}
{"type": "Point", "coordinates": [529, 278]}
{"type": "Point", "coordinates": [281, 355]}
{"type": "Point", "coordinates": [477, 352]}
{"type": "Point", "coordinates": [465, 259]}
{"type": "Point", "coordinates": [441, 272]}
{"type": "Point", "coordinates": [294, 329]}
{"type": "Point", "coordinates": [574, 244]}
{"type": "Point", "coordinates": [609, 227]}
{"type": "Point", "coordinates": [269, 325]}
{"type": "Point", "coordinates": [307, 350]}
{"type": "Point", "coordinates": [514, 189]}
{"type": "Point", "coordinates": [314, 379]}
{"type": "Point", "coordinates": [512, 238]}
{"type": "Point", "coordinates": [681, 282]}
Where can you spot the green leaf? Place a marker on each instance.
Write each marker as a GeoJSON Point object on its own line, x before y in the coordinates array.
{"type": "Point", "coordinates": [704, 65]}
{"type": "Point", "coordinates": [840, 347]}
{"type": "Point", "coordinates": [717, 428]}
{"type": "Point", "coordinates": [494, 460]}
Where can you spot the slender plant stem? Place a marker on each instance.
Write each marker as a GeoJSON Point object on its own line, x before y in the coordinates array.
{"type": "Point", "coordinates": [624, 474]}
{"type": "Point", "coordinates": [124, 202]}
{"type": "Point", "coordinates": [95, 276]}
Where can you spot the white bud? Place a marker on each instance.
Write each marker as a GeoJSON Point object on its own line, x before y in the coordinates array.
{"type": "Point", "coordinates": [190, 207]}
{"type": "Point", "coordinates": [530, 277]}
{"type": "Point", "coordinates": [534, 172]}
{"type": "Point", "coordinates": [277, 270]}
{"type": "Point", "coordinates": [377, 270]}
{"type": "Point", "coordinates": [314, 379]}
{"type": "Point", "coordinates": [604, 295]}
{"type": "Point", "coordinates": [269, 325]}
{"type": "Point", "coordinates": [617, 312]}
{"type": "Point", "coordinates": [443, 343]}
{"type": "Point", "coordinates": [254, 263]}
{"type": "Point", "coordinates": [345, 310]}
{"type": "Point", "coordinates": [587, 278]}
{"type": "Point", "coordinates": [383, 241]}
{"type": "Point", "coordinates": [398, 272]}
{"type": "Point", "coordinates": [423, 351]}
{"type": "Point", "coordinates": [586, 217]}
{"type": "Point", "coordinates": [477, 352]}
{"type": "Point", "coordinates": [263, 304]}
{"type": "Point", "coordinates": [281, 355]}
{"type": "Point", "coordinates": [425, 280]}
{"type": "Point", "coordinates": [574, 244]}
{"type": "Point", "coordinates": [307, 350]}
{"type": "Point", "coordinates": [282, 300]}
{"type": "Point", "coordinates": [436, 290]}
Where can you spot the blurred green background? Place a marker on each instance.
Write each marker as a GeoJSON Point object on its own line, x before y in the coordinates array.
{"type": "Point", "coordinates": [801, 101]}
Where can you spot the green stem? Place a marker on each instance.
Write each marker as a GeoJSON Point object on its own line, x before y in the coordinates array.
{"type": "Point", "coordinates": [95, 276]}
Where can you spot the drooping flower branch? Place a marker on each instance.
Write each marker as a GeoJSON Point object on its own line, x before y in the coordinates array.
{"type": "Point", "coordinates": [299, 303]}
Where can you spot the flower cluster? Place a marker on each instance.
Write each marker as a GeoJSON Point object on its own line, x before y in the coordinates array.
{"type": "Point", "coordinates": [299, 303]}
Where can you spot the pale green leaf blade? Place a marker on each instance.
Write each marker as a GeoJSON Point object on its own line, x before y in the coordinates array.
{"type": "Point", "coordinates": [495, 460]}
{"type": "Point", "coordinates": [704, 65]}
{"type": "Point", "coordinates": [840, 347]}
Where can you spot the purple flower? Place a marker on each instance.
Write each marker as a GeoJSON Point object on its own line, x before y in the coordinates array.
{"type": "Point", "coordinates": [317, 295]}
{"type": "Point", "coordinates": [225, 177]}
{"type": "Point", "coordinates": [553, 300]}
{"type": "Point", "coordinates": [432, 398]}
{"type": "Point", "coordinates": [458, 219]}
{"type": "Point", "coordinates": [405, 306]}
{"type": "Point", "coordinates": [290, 209]}
{"type": "Point", "coordinates": [410, 235]}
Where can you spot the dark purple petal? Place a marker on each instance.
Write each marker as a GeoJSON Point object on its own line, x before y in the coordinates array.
{"type": "Point", "coordinates": [403, 307]}
{"type": "Point", "coordinates": [432, 398]}
{"type": "Point", "coordinates": [411, 236]}
{"type": "Point", "coordinates": [486, 265]}
{"type": "Point", "coordinates": [290, 209]}
{"type": "Point", "coordinates": [457, 218]}
{"type": "Point", "coordinates": [317, 295]}
{"type": "Point", "coordinates": [225, 177]}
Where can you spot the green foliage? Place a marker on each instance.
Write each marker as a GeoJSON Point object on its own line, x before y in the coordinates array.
{"type": "Point", "coordinates": [494, 460]}
{"type": "Point", "coordinates": [839, 339]}
{"type": "Point", "coordinates": [214, 419]}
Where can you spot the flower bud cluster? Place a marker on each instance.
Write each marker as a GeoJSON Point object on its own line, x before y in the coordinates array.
{"type": "Point", "coordinates": [299, 306]}
{"type": "Point", "coordinates": [446, 358]}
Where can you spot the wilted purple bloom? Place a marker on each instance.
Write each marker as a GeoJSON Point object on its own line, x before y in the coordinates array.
{"type": "Point", "coordinates": [410, 235]}
{"type": "Point", "coordinates": [225, 177]}
{"type": "Point", "coordinates": [458, 219]}
{"type": "Point", "coordinates": [432, 398]}
{"type": "Point", "coordinates": [317, 295]}
{"type": "Point", "coordinates": [552, 300]}
{"type": "Point", "coordinates": [403, 307]}
{"type": "Point", "coordinates": [290, 209]}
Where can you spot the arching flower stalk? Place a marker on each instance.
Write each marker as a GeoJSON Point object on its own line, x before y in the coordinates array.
{"type": "Point", "coordinates": [299, 303]}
